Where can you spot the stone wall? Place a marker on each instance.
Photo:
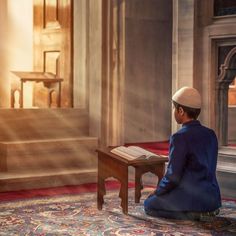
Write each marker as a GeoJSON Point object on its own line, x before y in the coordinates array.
{"type": "Point", "coordinates": [148, 62]}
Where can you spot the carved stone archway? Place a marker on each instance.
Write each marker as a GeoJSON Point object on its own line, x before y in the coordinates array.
{"type": "Point", "coordinates": [227, 75]}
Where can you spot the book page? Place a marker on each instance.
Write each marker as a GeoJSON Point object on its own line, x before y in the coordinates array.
{"type": "Point", "coordinates": [145, 152]}
{"type": "Point", "coordinates": [126, 152]}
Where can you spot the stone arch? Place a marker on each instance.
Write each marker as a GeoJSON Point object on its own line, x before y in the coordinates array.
{"type": "Point", "coordinates": [225, 78]}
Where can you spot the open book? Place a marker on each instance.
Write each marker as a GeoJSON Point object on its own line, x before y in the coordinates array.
{"type": "Point", "coordinates": [134, 153]}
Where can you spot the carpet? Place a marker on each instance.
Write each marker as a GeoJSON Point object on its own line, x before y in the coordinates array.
{"type": "Point", "coordinates": [77, 214]}
{"type": "Point", "coordinates": [55, 191]}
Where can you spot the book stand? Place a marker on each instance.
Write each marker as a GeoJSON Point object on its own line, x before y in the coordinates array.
{"type": "Point", "coordinates": [111, 165]}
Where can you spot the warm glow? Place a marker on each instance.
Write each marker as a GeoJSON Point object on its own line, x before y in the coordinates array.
{"type": "Point", "coordinates": [28, 94]}
{"type": "Point", "coordinates": [232, 93]}
{"type": "Point", "coordinates": [20, 43]}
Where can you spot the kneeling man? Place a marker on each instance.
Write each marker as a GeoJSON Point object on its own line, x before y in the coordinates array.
{"type": "Point", "coordinates": [189, 189]}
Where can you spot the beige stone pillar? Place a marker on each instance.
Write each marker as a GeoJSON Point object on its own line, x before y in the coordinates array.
{"type": "Point", "coordinates": [104, 69]}
{"type": "Point", "coordinates": [113, 16]}
{"type": "Point", "coordinates": [183, 46]}
{"type": "Point", "coordinates": [94, 66]}
{"type": "Point", "coordinates": [81, 37]}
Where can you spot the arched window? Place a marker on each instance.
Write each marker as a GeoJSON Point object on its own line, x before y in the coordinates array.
{"type": "Point", "coordinates": [226, 78]}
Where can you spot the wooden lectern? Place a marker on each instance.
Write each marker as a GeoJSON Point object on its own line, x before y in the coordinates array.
{"type": "Point", "coordinates": [49, 80]}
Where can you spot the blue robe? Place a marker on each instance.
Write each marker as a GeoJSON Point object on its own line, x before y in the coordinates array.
{"type": "Point", "coordinates": [190, 182]}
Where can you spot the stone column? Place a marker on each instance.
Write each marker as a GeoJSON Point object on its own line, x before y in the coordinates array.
{"type": "Point", "coordinates": [222, 111]}
{"type": "Point", "coordinates": [183, 46]}
{"type": "Point", "coordinates": [81, 37]}
{"type": "Point", "coordinates": [222, 106]}
{"type": "Point", "coordinates": [94, 72]}
{"type": "Point", "coordinates": [112, 72]}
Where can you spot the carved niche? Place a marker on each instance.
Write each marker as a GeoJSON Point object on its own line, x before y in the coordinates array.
{"type": "Point", "coordinates": [227, 73]}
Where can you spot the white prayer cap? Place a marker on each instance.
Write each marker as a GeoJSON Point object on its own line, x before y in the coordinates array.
{"type": "Point", "coordinates": [188, 97]}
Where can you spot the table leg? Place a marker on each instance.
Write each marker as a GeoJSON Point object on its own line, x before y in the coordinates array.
{"type": "Point", "coordinates": [159, 171]}
{"type": "Point", "coordinates": [59, 95]}
{"type": "Point", "coordinates": [138, 184]}
{"type": "Point", "coordinates": [100, 192]}
{"type": "Point", "coordinates": [22, 95]}
{"type": "Point", "coordinates": [124, 191]}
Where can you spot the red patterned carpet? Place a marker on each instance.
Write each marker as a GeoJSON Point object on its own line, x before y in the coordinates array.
{"type": "Point", "coordinates": [73, 211]}
{"type": "Point", "coordinates": [47, 192]}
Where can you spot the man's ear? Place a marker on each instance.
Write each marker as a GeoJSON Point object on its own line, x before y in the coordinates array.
{"type": "Point", "coordinates": [181, 111]}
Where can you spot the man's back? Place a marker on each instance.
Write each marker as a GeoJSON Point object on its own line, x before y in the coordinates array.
{"type": "Point", "coordinates": [198, 180]}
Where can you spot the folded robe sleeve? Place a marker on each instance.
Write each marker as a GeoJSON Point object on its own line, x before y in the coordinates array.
{"type": "Point", "coordinates": [175, 168]}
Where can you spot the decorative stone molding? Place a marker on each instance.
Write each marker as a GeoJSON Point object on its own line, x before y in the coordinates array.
{"type": "Point", "coordinates": [227, 75]}
{"type": "Point", "coordinates": [226, 67]}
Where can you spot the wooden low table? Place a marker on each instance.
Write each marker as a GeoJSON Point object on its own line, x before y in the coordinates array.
{"type": "Point", "coordinates": [49, 80]}
{"type": "Point", "coordinates": [111, 165]}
